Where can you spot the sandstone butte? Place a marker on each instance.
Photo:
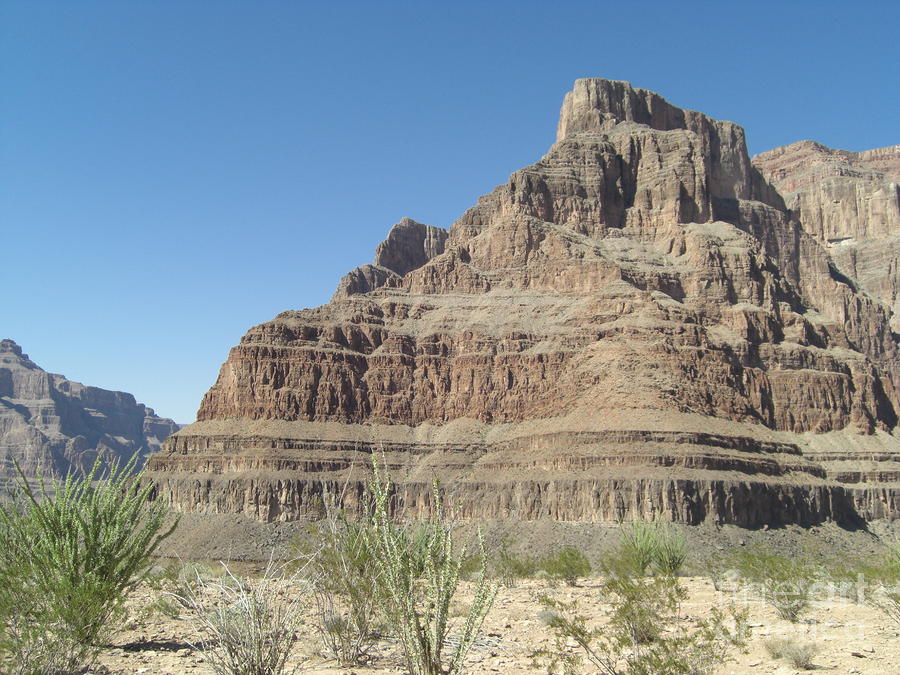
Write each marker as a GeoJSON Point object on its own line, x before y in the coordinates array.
{"type": "Point", "coordinates": [643, 323]}
{"type": "Point", "coordinates": [53, 426]}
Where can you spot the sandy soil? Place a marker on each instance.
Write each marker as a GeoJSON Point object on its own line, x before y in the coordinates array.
{"type": "Point", "coordinates": [851, 638]}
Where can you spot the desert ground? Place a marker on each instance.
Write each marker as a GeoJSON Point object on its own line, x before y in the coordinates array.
{"type": "Point", "coordinates": [849, 636]}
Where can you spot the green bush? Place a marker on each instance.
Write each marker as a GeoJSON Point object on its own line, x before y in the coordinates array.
{"type": "Point", "coordinates": [643, 636]}
{"type": "Point", "coordinates": [638, 548]}
{"type": "Point", "coordinates": [509, 568]}
{"type": "Point", "coordinates": [670, 551]}
{"type": "Point", "coordinates": [341, 569]}
{"type": "Point", "coordinates": [568, 564]}
{"type": "Point", "coordinates": [645, 545]}
{"type": "Point", "coordinates": [785, 583]}
{"type": "Point", "coordinates": [418, 575]}
{"type": "Point", "coordinates": [69, 553]}
{"type": "Point", "coordinates": [642, 603]}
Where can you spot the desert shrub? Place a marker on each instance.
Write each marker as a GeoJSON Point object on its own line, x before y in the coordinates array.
{"type": "Point", "coordinates": [798, 654]}
{"type": "Point", "coordinates": [784, 583]}
{"type": "Point", "coordinates": [884, 592]}
{"type": "Point", "coordinates": [887, 599]}
{"type": "Point", "coordinates": [716, 566]}
{"type": "Point", "coordinates": [509, 568]}
{"type": "Point", "coordinates": [30, 644]}
{"type": "Point", "coordinates": [69, 554]}
{"type": "Point", "coordinates": [567, 564]}
{"type": "Point", "coordinates": [641, 603]}
{"type": "Point", "coordinates": [638, 547]}
{"type": "Point", "coordinates": [643, 636]}
{"type": "Point", "coordinates": [171, 580]}
{"type": "Point", "coordinates": [670, 550]}
{"type": "Point", "coordinates": [645, 545]}
{"type": "Point", "coordinates": [341, 570]}
{"type": "Point", "coordinates": [418, 575]}
{"type": "Point", "coordinates": [247, 628]}
{"type": "Point", "coordinates": [470, 568]}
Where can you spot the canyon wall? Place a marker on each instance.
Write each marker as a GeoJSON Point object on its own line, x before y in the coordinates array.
{"type": "Point", "coordinates": [848, 201]}
{"type": "Point", "coordinates": [52, 426]}
{"type": "Point", "coordinates": [638, 324]}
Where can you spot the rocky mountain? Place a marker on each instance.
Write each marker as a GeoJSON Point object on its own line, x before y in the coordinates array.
{"type": "Point", "coordinates": [637, 324]}
{"type": "Point", "coordinates": [52, 426]}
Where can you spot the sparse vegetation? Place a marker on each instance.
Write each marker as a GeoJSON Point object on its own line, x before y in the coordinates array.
{"type": "Point", "coordinates": [360, 577]}
{"type": "Point", "coordinates": [510, 568]}
{"type": "Point", "coordinates": [343, 575]}
{"type": "Point", "coordinates": [69, 554]}
{"type": "Point", "coordinates": [798, 654]}
{"type": "Point", "coordinates": [785, 583]}
{"type": "Point", "coordinates": [568, 565]}
{"type": "Point", "coordinates": [670, 551]}
{"type": "Point", "coordinates": [887, 599]}
{"type": "Point", "coordinates": [638, 548]}
{"type": "Point", "coordinates": [885, 592]}
{"type": "Point", "coordinates": [248, 628]}
{"type": "Point", "coordinates": [162, 580]}
{"type": "Point", "coordinates": [418, 575]}
{"type": "Point", "coordinates": [643, 636]}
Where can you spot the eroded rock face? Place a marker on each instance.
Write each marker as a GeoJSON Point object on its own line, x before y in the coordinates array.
{"type": "Point", "coordinates": [641, 278]}
{"type": "Point", "coordinates": [837, 194]}
{"type": "Point", "coordinates": [52, 426]}
{"type": "Point", "coordinates": [850, 202]}
{"type": "Point", "coordinates": [408, 246]}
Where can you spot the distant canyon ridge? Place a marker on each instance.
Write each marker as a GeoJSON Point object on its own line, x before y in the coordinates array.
{"type": "Point", "coordinates": [52, 426]}
{"type": "Point", "coordinates": [646, 322]}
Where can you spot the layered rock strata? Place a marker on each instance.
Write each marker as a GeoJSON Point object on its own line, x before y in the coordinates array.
{"type": "Point", "coordinates": [52, 426]}
{"type": "Point", "coordinates": [850, 202]}
{"type": "Point", "coordinates": [635, 325]}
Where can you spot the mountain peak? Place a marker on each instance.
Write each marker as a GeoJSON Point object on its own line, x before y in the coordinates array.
{"type": "Point", "coordinates": [597, 105]}
{"type": "Point", "coordinates": [7, 345]}
{"type": "Point", "coordinates": [633, 326]}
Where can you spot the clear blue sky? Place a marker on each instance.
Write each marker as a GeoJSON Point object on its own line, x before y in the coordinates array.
{"type": "Point", "coordinates": [172, 173]}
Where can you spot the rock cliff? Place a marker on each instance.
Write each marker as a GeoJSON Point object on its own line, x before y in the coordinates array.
{"type": "Point", "coordinates": [53, 426]}
{"type": "Point", "coordinates": [636, 324]}
{"type": "Point", "coordinates": [850, 202]}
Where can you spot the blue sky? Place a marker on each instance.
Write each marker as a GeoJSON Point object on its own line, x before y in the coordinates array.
{"type": "Point", "coordinates": [172, 173]}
